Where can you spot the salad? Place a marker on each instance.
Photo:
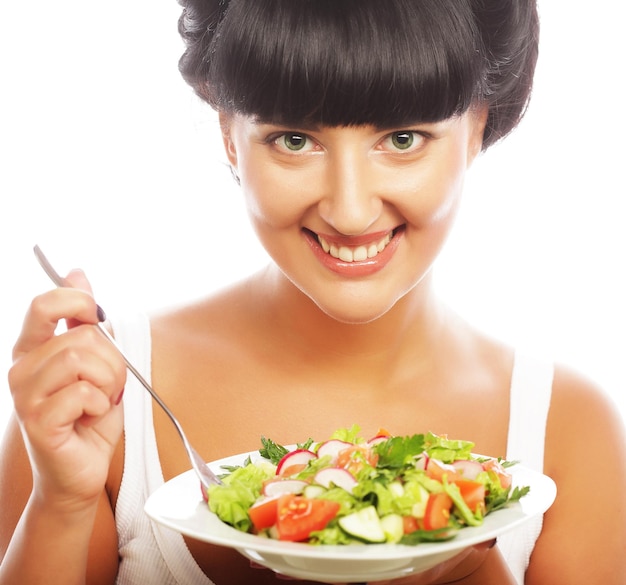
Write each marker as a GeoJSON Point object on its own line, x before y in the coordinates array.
{"type": "Point", "coordinates": [347, 490]}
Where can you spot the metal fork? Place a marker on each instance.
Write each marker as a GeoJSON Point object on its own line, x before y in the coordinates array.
{"type": "Point", "coordinates": [206, 476]}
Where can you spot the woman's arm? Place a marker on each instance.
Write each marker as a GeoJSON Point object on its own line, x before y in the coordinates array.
{"type": "Point", "coordinates": [584, 534]}
{"type": "Point", "coordinates": [44, 544]}
{"type": "Point", "coordinates": [58, 448]}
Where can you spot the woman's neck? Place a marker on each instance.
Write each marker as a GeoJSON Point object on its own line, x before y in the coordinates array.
{"type": "Point", "coordinates": [415, 323]}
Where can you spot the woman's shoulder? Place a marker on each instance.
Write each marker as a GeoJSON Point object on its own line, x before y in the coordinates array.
{"type": "Point", "coordinates": [578, 398]}
{"type": "Point", "coordinates": [583, 421]}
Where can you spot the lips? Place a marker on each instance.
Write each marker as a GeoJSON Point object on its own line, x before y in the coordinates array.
{"type": "Point", "coordinates": [355, 256]}
{"type": "Point", "coordinates": [355, 253]}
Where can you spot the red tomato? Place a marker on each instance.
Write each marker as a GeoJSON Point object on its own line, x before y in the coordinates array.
{"type": "Point", "coordinates": [382, 433]}
{"type": "Point", "coordinates": [473, 492]}
{"type": "Point", "coordinates": [263, 514]}
{"type": "Point", "coordinates": [494, 466]}
{"type": "Point", "coordinates": [437, 512]}
{"type": "Point", "coordinates": [299, 516]}
{"type": "Point", "coordinates": [353, 458]}
{"type": "Point", "coordinates": [292, 469]}
{"type": "Point", "coordinates": [409, 524]}
{"type": "Point", "coordinates": [437, 469]}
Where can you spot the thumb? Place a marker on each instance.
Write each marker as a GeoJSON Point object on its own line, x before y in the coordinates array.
{"type": "Point", "coordinates": [76, 279]}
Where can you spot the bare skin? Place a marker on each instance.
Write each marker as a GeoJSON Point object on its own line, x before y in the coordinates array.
{"type": "Point", "coordinates": [481, 376]}
{"type": "Point", "coordinates": [326, 352]}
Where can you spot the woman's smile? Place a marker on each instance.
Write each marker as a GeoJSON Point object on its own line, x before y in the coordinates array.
{"type": "Point", "coordinates": [354, 256]}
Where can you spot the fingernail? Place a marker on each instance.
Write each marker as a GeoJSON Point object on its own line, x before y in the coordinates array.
{"type": "Point", "coordinates": [119, 398]}
{"type": "Point", "coordinates": [101, 314]}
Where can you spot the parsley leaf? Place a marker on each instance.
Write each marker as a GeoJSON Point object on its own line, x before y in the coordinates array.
{"type": "Point", "coordinates": [505, 498]}
{"type": "Point", "coordinates": [418, 536]}
{"type": "Point", "coordinates": [272, 451]}
{"type": "Point", "coordinates": [396, 452]}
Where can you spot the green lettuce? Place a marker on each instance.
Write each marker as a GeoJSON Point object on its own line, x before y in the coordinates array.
{"type": "Point", "coordinates": [447, 450]}
{"type": "Point", "coordinates": [231, 500]}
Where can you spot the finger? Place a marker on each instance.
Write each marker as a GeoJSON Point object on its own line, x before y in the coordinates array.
{"type": "Point", "coordinates": [70, 441]}
{"type": "Point", "coordinates": [79, 403]}
{"type": "Point", "coordinates": [47, 310]}
{"type": "Point", "coordinates": [442, 573]}
{"type": "Point", "coordinates": [80, 354]}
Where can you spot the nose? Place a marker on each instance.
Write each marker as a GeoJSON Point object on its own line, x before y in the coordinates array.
{"type": "Point", "coordinates": [349, 204]}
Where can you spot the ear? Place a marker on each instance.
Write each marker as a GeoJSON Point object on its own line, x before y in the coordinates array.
{"type": "Point", "coordinates": [478, 120]}
{"type": "Point", "coordinates": [226, 121]}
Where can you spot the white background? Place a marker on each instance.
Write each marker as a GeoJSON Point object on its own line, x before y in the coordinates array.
{"type": "Point", "coordinates": [109, 163]}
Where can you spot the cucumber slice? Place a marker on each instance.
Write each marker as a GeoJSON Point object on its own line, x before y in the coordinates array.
{"type": "Point", "coordinates": [364, 525]}
{"type": "Point", "coordinates": [313, 491]}
{"type": "Point", "coordinates": [393, 527]}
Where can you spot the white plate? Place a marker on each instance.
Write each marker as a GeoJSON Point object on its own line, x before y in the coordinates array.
{"type": "Point", "coordinates": [178, 505]}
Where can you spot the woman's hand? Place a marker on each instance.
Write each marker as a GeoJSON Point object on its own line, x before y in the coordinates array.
{"type": "Point", "coordinates": [66, 389]}
{"type": "Point", "coordinates": [481, 564]}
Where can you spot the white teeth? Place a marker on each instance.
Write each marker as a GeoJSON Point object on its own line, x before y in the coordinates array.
{"type": "Point", "coordinates": [358, 254]}
{"type": "Point", "coordinates": [346, 254]}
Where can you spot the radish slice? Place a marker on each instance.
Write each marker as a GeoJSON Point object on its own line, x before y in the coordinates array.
{"type": "Point", "coordinates": [297, 457]}
{"type": "Point", "coordinates": [468, 469]}
{"type": "Point", "coordinates": [377, 439]}
{"type": "Point", "coordinates": [335, 476]}
{"type": "Point", "coordinates": [332, 447]}
{"type": "Point", "coordinates": [422, 462]}
{"type": "Point", "coordinates": [276, 487]}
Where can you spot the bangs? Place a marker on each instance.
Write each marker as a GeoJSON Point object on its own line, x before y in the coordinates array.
{"type": "Point", "coordinates": [346, 62]}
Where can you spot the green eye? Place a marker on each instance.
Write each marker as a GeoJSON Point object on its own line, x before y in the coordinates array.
{"type": "Point", "coordinates": [294, 141]}
{"type": "Point", "coordinates": [402, 140]}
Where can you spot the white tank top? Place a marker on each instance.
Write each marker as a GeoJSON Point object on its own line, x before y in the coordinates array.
{"type": "Point", "coordinates": [155, 555]}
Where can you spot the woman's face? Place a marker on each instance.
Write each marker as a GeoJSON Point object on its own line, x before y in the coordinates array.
{"type": "Point", "coordinates": [353, 216]}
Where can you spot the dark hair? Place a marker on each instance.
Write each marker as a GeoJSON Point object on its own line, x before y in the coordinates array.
{"type": "Point", "coordinates": [350, 62]}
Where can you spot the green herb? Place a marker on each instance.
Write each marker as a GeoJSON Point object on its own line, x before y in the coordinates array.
{"type": "Point", "coordinates": [396, 452]}
{"type": "Point", "coordinates": [419, 536]}
{"type": "Point", "coordinates": [306, 445]}
{"type": "Point", "coordinates": [503, 499]}
{"type": "Point", "coordinates": [272, 451]}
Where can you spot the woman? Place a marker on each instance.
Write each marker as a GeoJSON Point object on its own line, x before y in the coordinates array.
{"type": "Point", "coordinates": [350, 126]}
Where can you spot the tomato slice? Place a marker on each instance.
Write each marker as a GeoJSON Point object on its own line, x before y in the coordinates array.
{"type": "Point", "coordinates": [409, 524]}
{"type": "Point", "coordinates": [292, 470]}
{"type": "Point", "coordinates": [436, 469]}
{"type": "Point", "coordinates": [437, 513]}
{"type": "Point", "coordinates": [298, 516]}
{"type": "Point", "coordinates": [264, 514]}
{"type": "Point", "coordinates": [494, 466]}
{"type": "Point", "coordinates": [355, 457]}
{"type": "Point", "coordinates": [473, 492]}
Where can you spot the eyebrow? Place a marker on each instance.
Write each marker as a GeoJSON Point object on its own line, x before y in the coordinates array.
{"type": "Point", "coordinates": [300, 125]}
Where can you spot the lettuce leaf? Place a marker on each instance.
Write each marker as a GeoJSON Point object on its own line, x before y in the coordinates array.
{"type": "Point", "coordinates": [231, 500]}
{"type": "Point", "coordinates": [350, 435]}
{"type": "Point", "coordinates": [447, 450]}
